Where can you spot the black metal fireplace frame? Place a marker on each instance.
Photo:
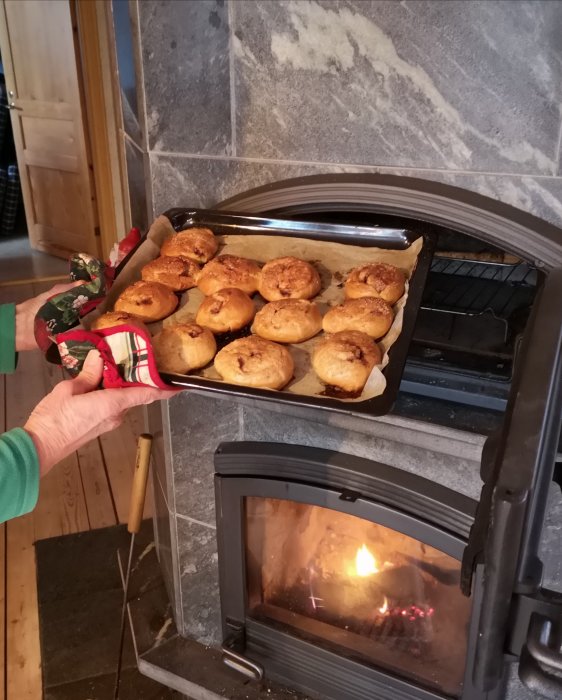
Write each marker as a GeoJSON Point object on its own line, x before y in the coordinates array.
{"type": "Point", "coordinates": [519, 460]}
{"type": "Point", "coordinates": [407, 503]}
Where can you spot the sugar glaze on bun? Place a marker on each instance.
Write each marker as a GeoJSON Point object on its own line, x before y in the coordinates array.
{"type": "Point", "coordinates": [149, 301]}
{"type": "Point", "coordinates": [289, 278]}
{"type": "Point", "coordinates": [288, 321]}
{"type": "Point", "coordinates": [197, 244]}
{"type": "Point", "coordinates": [227, 271]}
{"type": "Point", "coordinates": [226, 310]}
{"type": "Point", "coordinates": [371, 315]}
{"type": "Point", "coordinates": [175, 271]}
{"type": "Point", "coordinates": [183, 347]}
{"type": "Point", "coordinates": [254, 361]}
{"type": "Point", "coordinates": [117, 318]}
{"type": "Point", "coordinates": [345, 360]}
{"type": "Point", "coordinates": [376, 280]}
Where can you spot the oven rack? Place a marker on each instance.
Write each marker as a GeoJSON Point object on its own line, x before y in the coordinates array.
{"type": "Point", "coordinates": [474, 288]}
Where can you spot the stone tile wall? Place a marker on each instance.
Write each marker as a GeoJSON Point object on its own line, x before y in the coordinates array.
{"type": "Point", "coordinates": [242, 93]}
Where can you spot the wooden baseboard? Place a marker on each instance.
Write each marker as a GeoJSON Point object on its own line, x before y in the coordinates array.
{"type": "Point", "coordinates": [29, 280]}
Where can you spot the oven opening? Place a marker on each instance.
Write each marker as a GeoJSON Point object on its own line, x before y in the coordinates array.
{"type": "Point", "coordinates": [368, 592]}
{"type": "Point", "coordinates": [476, 304]}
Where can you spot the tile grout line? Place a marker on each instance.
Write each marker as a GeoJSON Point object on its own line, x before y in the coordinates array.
{"type": "Point", "coordinates": [234, 145]}
{"type": "Point", "coordinates": [383, 169]}
{"type": "Point", "coordinates": [197, 522]}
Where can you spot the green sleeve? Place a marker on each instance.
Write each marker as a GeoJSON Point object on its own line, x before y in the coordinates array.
{"type": "Point", "coordinates": [7, 338]}
{"type": "Point", "coordinates": [19, 474]}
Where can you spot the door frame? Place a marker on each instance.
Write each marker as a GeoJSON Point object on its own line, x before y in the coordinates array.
{"type": "Point", "coordinates": [97, 66]}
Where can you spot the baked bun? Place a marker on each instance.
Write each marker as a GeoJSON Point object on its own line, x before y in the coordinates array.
{"type": "Point", "coordinates": [229, 271]}
{"type": "Point", "coordinates": [197, 244]}
{"type": "Point", "coordinates": [370, 315]}
{"type": "Point", "coordinates": [149, 301]}
{"type": "Point", "coordinates": [184, 347]}
{"type": "Point", "coordinates": [175, 271]}
{"type": "Point", "coordinates": [288, 321]}
{"type": "Point", "coordinates": [375, 280]}
{"type": "Point", "coordinates": [253, 361]}
{"type": "Point", "coordinates": [345, 360]}
{"type": "Point", "coordinates": [117, 318]}
{"type": "Point", "coordinates": [226, 310]}
{"type": "Point", "coordinates": [289, 278]}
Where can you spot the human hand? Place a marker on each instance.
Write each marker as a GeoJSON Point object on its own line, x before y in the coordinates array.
{"type": "Point", "coordinates": [76, 411]}
{"type": "Point", "coordinates": [27, 310]}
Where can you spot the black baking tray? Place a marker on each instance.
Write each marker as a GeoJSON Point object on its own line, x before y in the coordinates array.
{"type": "Point", "coordinates": [221, 222]}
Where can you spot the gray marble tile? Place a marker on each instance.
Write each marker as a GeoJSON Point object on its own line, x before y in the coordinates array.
{"type": "Point", "coordinates": [179, 181]}
{"type": "Point", "coordinates": [198, 561]}
{"type": "Point", "coordinates": [164, 526]}
{"type": "Point", "coordinates": [186, 63]}
{"type": "Point", "coordinates": [455, 85]}
{"type": "Point", "coordinates": [198, 424]}
{"type": "Point", "coordinates": [155, 414]}
{"type": "Point", "coordinates": [460, 475]}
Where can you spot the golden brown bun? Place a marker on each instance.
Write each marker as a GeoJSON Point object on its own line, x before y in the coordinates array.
{"type": "Point", "coordinates": [288, 321]}
{"type": "Point", "coordinates": [376, 280]}
{"type": "Point", "coordinates": [253, 361]}
{"type": "Point", "coordinates": [226, 310]}
{"type": "Point", "coordinates": [149, 301]}
{"type": "Point", "coordinates": [288, 278]}
{"type": "Point", "coordinates": [370, 315]}
{"type": "Point", "coordinates": [184, 347]}
{"type": "Point", "coordinates": [117, 318]}
{"type": "Point", "coordinates": [345, 360]}
{"type": "Point", "coordinates": [197, 244]}
{"type": "Point", "coordinates": [176, 272]}
{"type": "Point", "coordinates": [228, 271]}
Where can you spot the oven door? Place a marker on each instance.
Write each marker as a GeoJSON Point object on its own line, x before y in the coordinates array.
{"type": "Point", "coordinates": [517, 616]}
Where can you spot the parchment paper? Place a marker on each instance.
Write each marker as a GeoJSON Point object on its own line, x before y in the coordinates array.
{"type": "Point", "coordinates": [332, 260]}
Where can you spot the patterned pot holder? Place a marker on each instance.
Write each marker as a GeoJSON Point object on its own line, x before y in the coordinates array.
{"type": "Point", "coordinates": [126, 350]}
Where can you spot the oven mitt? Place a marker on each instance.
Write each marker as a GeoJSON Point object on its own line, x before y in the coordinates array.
{"type": "Point", "coordinates": [126, 350]}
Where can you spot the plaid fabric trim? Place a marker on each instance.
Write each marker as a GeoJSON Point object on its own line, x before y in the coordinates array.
{"type": "Point", "coordinates": [126, 351]}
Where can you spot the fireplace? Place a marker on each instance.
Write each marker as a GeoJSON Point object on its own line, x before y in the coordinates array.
{"type": "Point", "coordinates": [400, 556]}
{"type": "Point", "coordinates": [356, 581]}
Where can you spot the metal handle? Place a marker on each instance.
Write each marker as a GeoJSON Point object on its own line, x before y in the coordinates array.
{"type": "Point", "coordinates": [540, 656]}
{"type": "Point", "coordinates": [13, 105]}
{"type": "Point", "coordinates": [237, 661]}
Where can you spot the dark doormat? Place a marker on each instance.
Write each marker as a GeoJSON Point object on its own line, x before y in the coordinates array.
{"type": "Point", "coordinates": [80, 596]}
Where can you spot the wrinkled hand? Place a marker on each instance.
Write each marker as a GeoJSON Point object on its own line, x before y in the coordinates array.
{"type": "Point", "coordinates": [76, 411]}
{"type": "Point", "coordinates": [27, 310]}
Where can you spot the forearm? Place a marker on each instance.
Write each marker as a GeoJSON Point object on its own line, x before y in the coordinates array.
{"type": "Point", "coordinates": [19, 474]}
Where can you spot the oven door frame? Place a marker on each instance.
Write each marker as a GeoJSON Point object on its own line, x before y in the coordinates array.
{"type": "Point", "coordinates": [407, 503]}
{"type": "Point", "coordinates": [517, 615]}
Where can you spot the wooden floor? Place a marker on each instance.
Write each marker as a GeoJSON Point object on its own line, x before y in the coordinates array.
{"type": "Point", "coordinates": [88, 490]}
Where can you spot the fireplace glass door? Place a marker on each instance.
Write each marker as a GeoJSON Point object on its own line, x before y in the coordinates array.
{"type": "Point", "coordinates": [363, 590]}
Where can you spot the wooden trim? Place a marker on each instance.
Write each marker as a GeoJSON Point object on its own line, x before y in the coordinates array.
{"type": "Point", "coordinates": [98, 80]}
{"type": "Point", "coordinates": [9, 75]}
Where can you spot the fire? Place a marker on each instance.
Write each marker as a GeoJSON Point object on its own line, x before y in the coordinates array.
{"type": "Point", "coordinates": [365, 564]}
{"type": "Point", "coordinates": [384, 608]}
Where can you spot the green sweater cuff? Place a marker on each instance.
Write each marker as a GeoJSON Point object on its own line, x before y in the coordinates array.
{"type": "Point", "coordinates": [19, 474]}
{"type": "Point", "coordinates": [7, 338]}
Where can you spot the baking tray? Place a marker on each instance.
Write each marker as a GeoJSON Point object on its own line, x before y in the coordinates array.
{"type": "Point", "coordinates": [221, 222]}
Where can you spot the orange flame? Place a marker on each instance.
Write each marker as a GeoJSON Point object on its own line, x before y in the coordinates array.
{"type": "Point", "coordinates": [365, 563]}
{"type": "Point", "coordinates": [384, 609]}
